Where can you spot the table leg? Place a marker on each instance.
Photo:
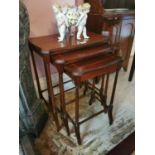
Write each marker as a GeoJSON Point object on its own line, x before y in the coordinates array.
{"type": "Point", "coordinates": [92, 96]}
{"type": "Point", "coordinates": [110, 108]}
{"type": "Point", "coordinates": [102, 94]}
{"type": "Point", "coordinates": [50, 90]}
{"type": "Point", "coordinates": [102, 84]}
{"type": "Point", "coordinates": [36, 73]}
{"type": "Point", "coordinates": [85, 88]}
{"type": "Point", "coordinates": [106, 86]}
{"type": "Point", "coordinates": [132, 69]}
{"type": "Point", "coordinates": [63, 106]}
{"type": "Point", "coordinates": [77, 125]}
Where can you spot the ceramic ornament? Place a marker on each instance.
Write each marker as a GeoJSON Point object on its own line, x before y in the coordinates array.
{"type": "Point", "coordinates": [81, 23]}
{"type": "Point", "coordinates": [62, 21]}
{"type": "Point", "coordinates": [69, 16]}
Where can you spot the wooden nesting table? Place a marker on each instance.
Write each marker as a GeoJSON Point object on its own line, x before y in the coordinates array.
{"type": "Point", "coordinates": [67, 52]}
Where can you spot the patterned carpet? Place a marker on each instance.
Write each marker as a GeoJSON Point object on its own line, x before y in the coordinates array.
{"type": "Point", "coordinates": [97, 136]}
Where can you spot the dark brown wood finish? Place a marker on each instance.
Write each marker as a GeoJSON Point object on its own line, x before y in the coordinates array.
{"type": "Point", "coordinates": [92, 95]}
{"type": "Point", "coordinates": [50, 90]}
{"type": "Point", "coordinates": [84, 70]}
{"type": "Point", "coordinates": [98, 64]}
{"type": "Point", "coordinates": [132, 70]}
{"type": "Point", "coordinates": [75, 56]}
{"type": "Point", "coordinates": [119, 24]}
{"type": "Point", "coordinates": [110, 4]}
{"type": "Point", "coordinates": [49, 44]}
{"type": "Point", "coordinates": [46, 46]}
{"type": "Point", "coordinates": [89, 59]}
{"type": "Point", "coordinates": [110, 107]}
{"type": "Point", "coordinates": [62, 101]}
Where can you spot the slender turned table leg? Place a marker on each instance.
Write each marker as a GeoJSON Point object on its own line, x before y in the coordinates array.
{"type": "Point", "coordinates": [110, 108]}
{"type": "Point", "coordinates": [62, 100]}
{"type": "Point", "coordinates": [102, 93]}
{"type": "Point", "coordinates": [92, 97]}
{"type": "Point", "coordinates": [50, 90]}
{"type": "Point", "coordinates": [102, 84]}
{"type": "Point", "coordinates": [132, 69]}
{"type": "Point", "coordinates": [77, 126]}
{"type": "Point", "coordinates": [106, 86]}
{"type": "Point", "coordinates": [85, 88]}
{"type": "Point", "coordinates": [97, 79]}
{"type": "Point", "coordinates": [36, 72]}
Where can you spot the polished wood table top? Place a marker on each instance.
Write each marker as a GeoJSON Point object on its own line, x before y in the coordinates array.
{"type": "Point", "coordinates": [94, 67]}
{"type": "Point", "coordinates": [50, 45]}
{"type": "Point", "coordinates": [84, 54]}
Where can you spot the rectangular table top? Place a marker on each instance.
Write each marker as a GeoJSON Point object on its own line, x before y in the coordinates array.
{"type": "Point", "coordinates": [50, 45]}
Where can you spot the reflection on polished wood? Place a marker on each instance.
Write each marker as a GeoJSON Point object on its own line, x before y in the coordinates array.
{"type": "Point", "coordinates": [47, 46]}
{"type": "Point", "coordinates": [50, 44]}
{"type": "Point", "coordinates": [81, 61]}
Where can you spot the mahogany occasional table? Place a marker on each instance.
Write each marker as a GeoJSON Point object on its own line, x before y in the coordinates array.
{"type": "Point", "coordinates": [47, 47]}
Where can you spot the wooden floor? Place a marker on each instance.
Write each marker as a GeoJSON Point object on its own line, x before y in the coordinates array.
{"type": "Point", "coordinates": [126, 147]}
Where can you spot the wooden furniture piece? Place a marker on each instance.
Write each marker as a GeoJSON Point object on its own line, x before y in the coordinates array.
{"type": "Point", "coordinates": [81, 71]}
{"type": "Point", "coordinates": [110, 4]}
{"type": "Point", "coordinates": [132, 70]}
{"type": "Point", "coordinates": [119, 23]}
{"type": "Point", "coordinates": [81, 60]}
{"type": "Point", "coordinates": [82, 65]}
{"type": "Point", "coordinates": [47, 46]}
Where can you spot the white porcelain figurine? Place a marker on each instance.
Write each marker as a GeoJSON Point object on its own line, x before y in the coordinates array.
{"type": "Point", "coordinates": [62, 21]}
{"type": "Point", "coordinates": [71, 16]}
{"type": "Point", "coordinates": [81, 23]}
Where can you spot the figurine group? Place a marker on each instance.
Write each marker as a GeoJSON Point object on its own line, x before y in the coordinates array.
{"type": "Point", "coordinates": [69, 16]}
